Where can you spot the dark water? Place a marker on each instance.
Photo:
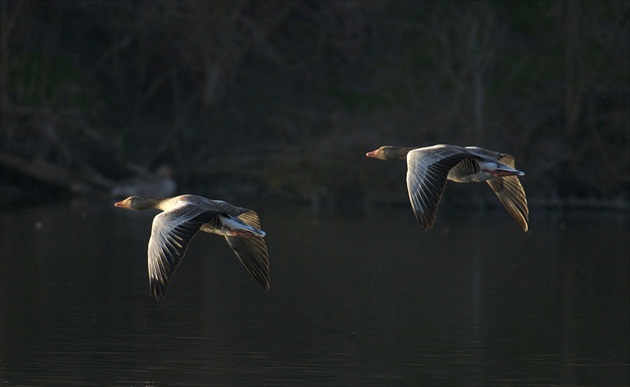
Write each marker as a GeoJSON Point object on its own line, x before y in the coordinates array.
{"type": "Point", "coordinates": [364, 298]}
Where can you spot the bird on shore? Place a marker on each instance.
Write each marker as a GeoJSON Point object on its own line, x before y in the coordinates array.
{"type": "Point", "coordinates": [182, 217]}
{"type": "Point", "coordinates": [429, 168]}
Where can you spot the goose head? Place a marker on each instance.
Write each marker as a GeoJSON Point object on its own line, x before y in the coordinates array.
{"type": "Point", "coordinates": [136, 203]}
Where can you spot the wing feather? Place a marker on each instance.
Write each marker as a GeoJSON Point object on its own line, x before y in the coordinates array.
{"type": "Point", "coordinates": [427, 171]}
{"type": "Point", "coordinates": [250, 217]}
{"type": "Point", "coordinates": [171, 233]}
{"type": "Point", "coordinates": [511, 193]}
{"type": "Point", "coordinates": [252, 251]}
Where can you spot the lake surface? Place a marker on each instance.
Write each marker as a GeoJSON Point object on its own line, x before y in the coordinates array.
{"type": "Point", "coordinates": [357, 298]}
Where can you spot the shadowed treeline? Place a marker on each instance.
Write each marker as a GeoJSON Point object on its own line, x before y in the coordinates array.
{"type": "Point", "coordinates": [283, 98]}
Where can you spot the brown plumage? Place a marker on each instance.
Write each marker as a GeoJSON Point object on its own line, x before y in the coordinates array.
{"type": "Point", "coordinates": [429, 168]}
{"type": "Point", "coordinates": [182, 218]}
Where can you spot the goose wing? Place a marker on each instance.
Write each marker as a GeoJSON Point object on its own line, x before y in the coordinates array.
{"type": "Point", "coordinates": [427, 170]}
{"type": "Point", "coordinates": [252, 251]}
{"type": "Point", "coordinates": [484, 154]}
{"type": "Point", "coordinates": [171, 233]}
{"type": "Point", "coordinates": [511, 193]}
{"type": "Point", "coordinates": [221, 206]}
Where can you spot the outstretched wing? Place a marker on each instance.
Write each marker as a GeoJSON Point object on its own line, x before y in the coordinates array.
{"type": "Point", "coordinates": [427, 170]}
{"type": "Point", "coordinates": [511, 193]}
{"type": "Point", "coordinates": [252, 251]}
{"type": "Point", "coordinates": [170, 235]}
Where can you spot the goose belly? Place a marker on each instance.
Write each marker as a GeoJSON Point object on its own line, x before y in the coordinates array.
{"type": "Point", "coordinates": [469, 178]}
{"type": "Point", "coordinates": [231, 226]}
{"type": "Point", "coordinates": [470, 170]}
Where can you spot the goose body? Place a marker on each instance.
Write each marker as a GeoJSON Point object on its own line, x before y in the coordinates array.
{"type": "Point", "coordinates": [182, 217]}
{"type": "Point", "coordinates": [429, 168]}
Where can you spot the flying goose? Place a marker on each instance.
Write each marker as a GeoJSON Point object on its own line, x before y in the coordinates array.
{"type": "Point", "coordinates": [429, 168]}
{"type": "Point", "coordinates": [180, 220]}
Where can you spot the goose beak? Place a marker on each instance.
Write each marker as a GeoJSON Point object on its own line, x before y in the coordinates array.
{"type": "Point", "coordinates": [371, 154]}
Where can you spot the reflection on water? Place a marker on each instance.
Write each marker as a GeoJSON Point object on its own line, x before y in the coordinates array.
{"type": "Point", "coordinates": [356, 298]}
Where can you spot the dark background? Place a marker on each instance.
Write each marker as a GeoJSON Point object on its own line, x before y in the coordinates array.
{"type": "Point", "coordinates": [283, 98]}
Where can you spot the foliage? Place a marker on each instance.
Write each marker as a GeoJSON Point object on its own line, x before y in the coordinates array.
{"type": "Point", "coordinates": [300, 87]}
